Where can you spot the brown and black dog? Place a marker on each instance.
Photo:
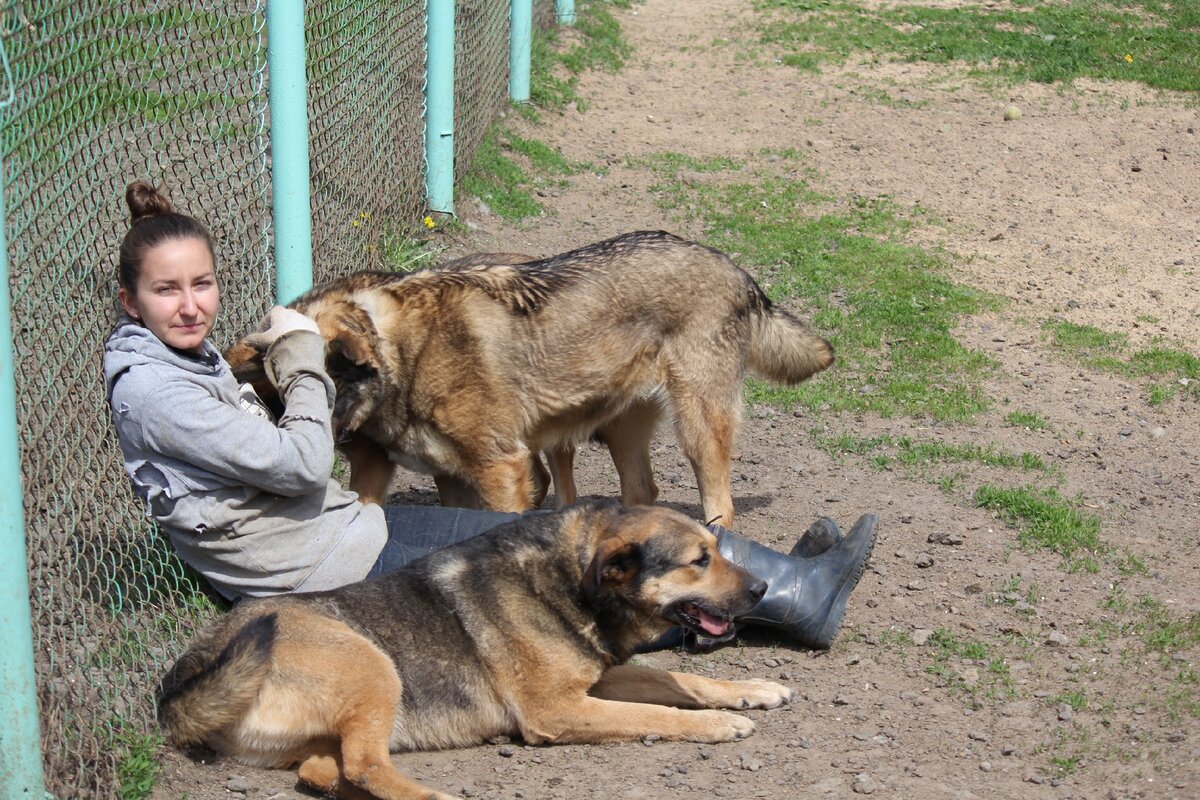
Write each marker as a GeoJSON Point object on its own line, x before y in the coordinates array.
{"type": "Point", "coordinates": [469, 370]}
{"type": "Point", "coordinates": [521, 631]}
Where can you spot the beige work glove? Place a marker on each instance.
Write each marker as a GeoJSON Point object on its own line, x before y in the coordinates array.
{"type": "Point", "coordinates": [279, 321]}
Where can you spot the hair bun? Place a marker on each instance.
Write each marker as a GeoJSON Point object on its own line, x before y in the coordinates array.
{"type": "Point", "coordinates": [145, 200]}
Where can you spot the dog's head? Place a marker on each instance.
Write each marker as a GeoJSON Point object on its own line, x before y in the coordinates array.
{"type": "Point", "coordinates": [653, 568]}
{"type": "Point", "coordinates": [352, 361]}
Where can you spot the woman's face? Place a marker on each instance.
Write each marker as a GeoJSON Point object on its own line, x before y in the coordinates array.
{"type": "Point", "coordinates": [176, 295]}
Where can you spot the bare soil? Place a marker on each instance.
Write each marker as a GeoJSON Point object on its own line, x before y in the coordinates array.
{"type": "Point", "coordinates": [1086, 208]}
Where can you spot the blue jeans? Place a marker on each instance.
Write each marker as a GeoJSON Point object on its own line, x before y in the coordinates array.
{"type": "Point", "coordinates": [416, 531]}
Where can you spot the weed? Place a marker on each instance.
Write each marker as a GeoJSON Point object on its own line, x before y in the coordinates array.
{"type": "Point", "coordinates": [139, 766]}
{"type": "Point", "coordinates": [555, 70]}
{"type": "Point", "coordinates": [1032, 422]}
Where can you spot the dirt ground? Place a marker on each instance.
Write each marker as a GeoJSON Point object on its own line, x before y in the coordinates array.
{"type": "Point", "coordinates": [1086, 208]}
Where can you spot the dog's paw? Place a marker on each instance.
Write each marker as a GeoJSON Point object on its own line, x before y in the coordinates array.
{"type": "Point", "coordinates": [757, 693]}
{"type": "Point", "coordinates": [726, 727]}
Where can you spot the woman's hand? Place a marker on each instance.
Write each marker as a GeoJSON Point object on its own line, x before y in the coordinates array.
{"type": "Point", "coordinates": [279, 321]}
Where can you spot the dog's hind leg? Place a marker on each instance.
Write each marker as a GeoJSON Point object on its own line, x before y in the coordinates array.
{"type": "Point", "coordinates": [454, 492]}
{"type": "Point", "coordinates": [561, 460]}
{"type": "Point", "coordinates": [637, 684]}
{"type": "Point", "coordinates": [541, 479]}
{"type": "Point", "coordinates": [365, 730]}
{"type": "Point", "coordinates": [628, 439]}
{"type": "Point", "coordinates": [706, 428]}
{"type": "Point", "coordinates": [370, 468]}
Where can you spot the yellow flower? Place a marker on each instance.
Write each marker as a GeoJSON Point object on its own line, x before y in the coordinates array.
{"type": "Point", "coordinates": [1129, 58]}
{"type": "Point", "coordinates": [429, 223]}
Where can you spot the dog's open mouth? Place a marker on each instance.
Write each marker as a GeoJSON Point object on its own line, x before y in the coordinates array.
{"type": "Point", "coordinates": [701, 620]}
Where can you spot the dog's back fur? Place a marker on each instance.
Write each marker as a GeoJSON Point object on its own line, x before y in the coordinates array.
{"type": "Point", "coordinates": [468, 371]}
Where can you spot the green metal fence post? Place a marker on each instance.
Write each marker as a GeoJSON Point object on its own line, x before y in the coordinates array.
{"type": "Point", "coordinates": [520, 48]}
{"type": "Point", "coordinates": [20, 737]}
{"type": "Point", "coordinates": [291, 206]}
{"type": "Point", "coordinates": [439, 105]}
{"type": "Point", "coordinates": [564, 11]}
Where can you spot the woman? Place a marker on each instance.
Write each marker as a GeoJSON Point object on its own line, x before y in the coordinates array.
{"type": "Point", "coordinates": [250, 503]}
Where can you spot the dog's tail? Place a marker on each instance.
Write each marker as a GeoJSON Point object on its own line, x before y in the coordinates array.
{"type": "Point", "coordinates": [782, 348]}
{"type": "Point", "coordinates": [201, 695]}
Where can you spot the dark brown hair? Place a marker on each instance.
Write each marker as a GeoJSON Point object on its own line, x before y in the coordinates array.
{"type": "Point", "coordinates": [152, 221]}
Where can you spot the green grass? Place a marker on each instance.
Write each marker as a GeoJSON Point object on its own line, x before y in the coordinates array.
{"type": "Point", "coordinates": [886, 450]}
{"type": "Point", "coordinates": [139, 765]}
{"type": "Point", "coordinates": [1109, 352]}
{"type": "Point", "coordinates": [1046, 520]}
{"type": "Point", "coordinates": [509, 187]}
{"type": "Point", "coordinates": [1156, 42]}
{"type": "Point", "coordinates": [889, 308]}
{"type": "Point", "coordinates": [555, 69]}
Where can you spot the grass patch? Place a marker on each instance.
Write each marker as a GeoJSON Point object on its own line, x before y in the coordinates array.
{"type": "Point", "coordinates": [1108, 352]}
{"type": "Point", "coordinates": [506, 186]}
{"type": "Point", "coordinates": [1028, 421]}
{"type": "Point", "coordinates": [1046, 520]}
{"type": "Point", "coordinates": [888, 308]}
{"type": "Point", "coordinates": [1155, 42]}
{"type": "Point", "coordinates": [555, 68]}
{"type": "Point", "coordinates": [907, 451]}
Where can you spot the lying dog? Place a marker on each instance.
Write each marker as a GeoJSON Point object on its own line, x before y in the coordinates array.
{"type": "Point", "coordinates": [523, 630]}
{"type": "Point", "coordinates": [468, 371]}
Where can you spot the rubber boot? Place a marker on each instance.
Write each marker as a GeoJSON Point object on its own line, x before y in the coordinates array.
{"type": "Point", "coordinates": [806, 597]}
{"type": "Point", "coordinates": [820, 536]}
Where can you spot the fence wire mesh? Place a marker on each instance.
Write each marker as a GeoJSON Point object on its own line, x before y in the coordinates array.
{"type": "Point", "coordinates": [106, 93]}
{"type": "Point", "coordinates": [174, 91]}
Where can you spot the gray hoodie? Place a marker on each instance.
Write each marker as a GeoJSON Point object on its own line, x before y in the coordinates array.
{"type": "Point", "coordinates": [248, 503]}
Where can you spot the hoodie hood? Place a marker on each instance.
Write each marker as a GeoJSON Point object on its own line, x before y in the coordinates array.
{"type": "Point", "coordinates": [131, 345]}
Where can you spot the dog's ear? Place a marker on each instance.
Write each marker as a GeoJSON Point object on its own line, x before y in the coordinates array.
{"type": "Point", "coordinates": [616, 562]}
{"type": "Point", "coordinates": [353, 363]}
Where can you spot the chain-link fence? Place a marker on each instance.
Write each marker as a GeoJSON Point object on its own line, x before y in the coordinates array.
{"type": "Point", "coordinates": [108, 91]}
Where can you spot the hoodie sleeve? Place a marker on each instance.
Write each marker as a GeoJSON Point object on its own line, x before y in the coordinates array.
{"type": "Point", "coordinates": [295, 457]}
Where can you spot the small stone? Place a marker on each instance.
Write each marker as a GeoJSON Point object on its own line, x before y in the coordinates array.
{"type": "Point", "coordinates": [915, 586]}
{"type": "Point", "coordinates": [1012, 113]}
{"type": "Point", "coordinates": [920, 636]}
{"type": "Point", "coordinates": [1007, 749]}
{"type": "Point", "coordinates": [909, 695]}
{"type": "Point", "coordinates": [238, 783]}
{"type": "Point", "coordinates": [924, 560]}
{"type": "Point", "coordinates": [841, 700]}
{"type": "Point", "coordinates": [1065, 713]}
{"type": "Point", "coordinates": [749, 762]}
{"type": "Point", "coordinates": [651, 739]}
{"type": "Point", "coordinates": [944, 537]}
{"type": "Point", "coordinates": [978, 736]}
{"type": "Point", "coordinates": [1158, 432]}
{"type": "Point", "coordinates": [506, 752]}
{"type": "Point", "coordinates": [1057, 639]}
{"type": "Point", "coordinates": [865, 784]}
{"type": "Point", "coordinates": [985, 766]}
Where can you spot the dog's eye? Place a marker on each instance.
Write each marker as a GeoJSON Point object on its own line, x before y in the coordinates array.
{"type": "Point", "coordinates": [702, 561]}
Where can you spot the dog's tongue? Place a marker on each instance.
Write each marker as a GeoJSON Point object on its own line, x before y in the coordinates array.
{"type": "Point", "coordinates": [713, 625]}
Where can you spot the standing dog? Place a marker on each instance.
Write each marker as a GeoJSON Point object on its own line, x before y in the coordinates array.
{"type": "Point", "coordinates": [468, 372]}
{"type": "Point", "coordinates": [520, 631]}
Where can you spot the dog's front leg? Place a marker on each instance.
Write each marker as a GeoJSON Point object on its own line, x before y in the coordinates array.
{"type": "Point", "coordinates": [370, 468]}
{"type": "Point", "coordinates": [505, 484]}
{"type": "Point", "coordinates": [592, 720]}
{"type": "Point", "coordinates": [638, 684]}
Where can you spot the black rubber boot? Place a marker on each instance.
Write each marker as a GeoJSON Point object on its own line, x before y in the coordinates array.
{"type": "Point", "coordinates": [806, 597]}
{"type": "Point", "coordinates": [820, 536]}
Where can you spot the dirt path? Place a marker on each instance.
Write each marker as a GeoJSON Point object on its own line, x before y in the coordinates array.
{"type": "Point", "coordinates": [1040, 682]}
